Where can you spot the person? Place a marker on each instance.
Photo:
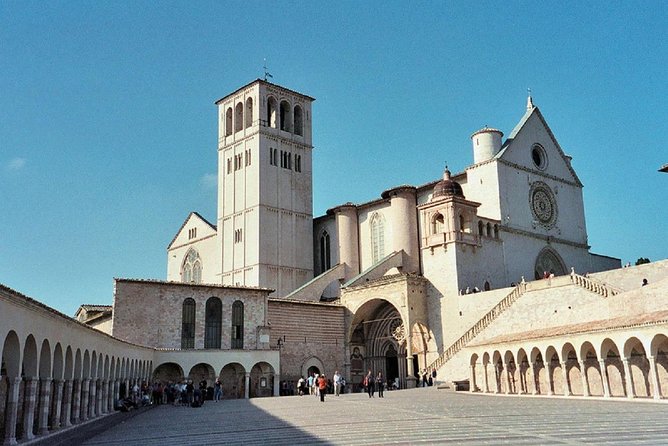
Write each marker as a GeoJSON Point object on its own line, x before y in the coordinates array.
{"type": "Point", "coordinates": [316, 388]}
{"type": "Point", "coordinates": [396, 383]}
{"type": "Point", "coordinates": [430, 381]}
{"type": "Point", "coordinates": [380, 384]}
{"type": "Point", "coordinates": [309, 382]}
{"type": "Point", "coordinates": [337, 383]}
{"type": "Point", "coordinates": [369, 384]}
{"type": "Point", "coordinates": [424, 379]}
{"type": "Point", "coordinates": [322, 387]}
{"type": "Point", "coordinates": [217, 391]}
{"type": "Point", "coordinates": [644, 282]}
{"type": "Point", "coordinates": [300, 386]}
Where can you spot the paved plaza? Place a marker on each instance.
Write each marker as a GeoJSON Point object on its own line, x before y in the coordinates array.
{"type": "Point", "coordinates": [417, 416]}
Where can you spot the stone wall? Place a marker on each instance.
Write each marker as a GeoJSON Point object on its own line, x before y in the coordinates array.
{"type": "Point", "coordinates": [309, 333]}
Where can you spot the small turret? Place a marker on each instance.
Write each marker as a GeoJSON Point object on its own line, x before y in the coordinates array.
{"type": "Point", "coordinates": [486, 144]}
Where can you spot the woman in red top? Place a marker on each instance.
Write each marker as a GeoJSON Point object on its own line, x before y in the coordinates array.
{"type": "Point", "coordinates": [322, 385]}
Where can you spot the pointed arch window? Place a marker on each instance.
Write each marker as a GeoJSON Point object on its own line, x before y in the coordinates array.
{"type": "Point", "coordinates": [188, 324]}
{"type": "Point", "coordinates": [325, 253]}
{"type": "Point", "coordinates": [213, 319]}
{"type": "Point", "coordinates": [238, 117]}
{"type": "Point", "coordinates": [249, 112]}
{"type": "Point", "coordinates": [286, 116]}
{"type": "Point", "coordinates": [299, 121]}
{"type": "Point", "coordinates": [228, 121]}
{"type": "Point", "coordinates": [237, 325]}
{"type": "Point", "coordinates": [437, 224]}
{"type": "Point", "coordinates": [377, 237]}
{"type": "Point", "coordinates": [191, 270]}
{"type": "Point", "coordinates": [272, 107]}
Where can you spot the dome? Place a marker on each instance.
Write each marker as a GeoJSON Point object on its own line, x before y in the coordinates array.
{"type": "Point", "coordinates": [447, 187]}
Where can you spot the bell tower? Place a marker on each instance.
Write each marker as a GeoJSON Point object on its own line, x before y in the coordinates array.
{"type": "Point", "coordinates": [265, 190]}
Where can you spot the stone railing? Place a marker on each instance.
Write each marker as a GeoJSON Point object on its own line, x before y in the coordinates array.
{"type": "Point", "coordinates": [479, 326]}
{"type": "Point", "coordinates": [595, 286]}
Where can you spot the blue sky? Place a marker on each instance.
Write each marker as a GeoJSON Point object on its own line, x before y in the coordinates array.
{"type": "Point", "coordinates": [108, 127]}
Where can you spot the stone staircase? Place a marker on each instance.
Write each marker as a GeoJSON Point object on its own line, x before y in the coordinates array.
{"type": "Point", "coordinates": [595, 286]}
{"type": "Point", "coordinates": [479, 326]}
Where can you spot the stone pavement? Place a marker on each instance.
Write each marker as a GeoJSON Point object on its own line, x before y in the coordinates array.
{"type": "Point", "coordinates": [417, 416]}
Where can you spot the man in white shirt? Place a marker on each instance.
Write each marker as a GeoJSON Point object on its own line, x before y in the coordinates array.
{"type": "Point", "coordinates": [337, 383]}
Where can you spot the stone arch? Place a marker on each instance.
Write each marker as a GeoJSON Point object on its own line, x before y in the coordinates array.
{"type": "Point", "coordinates": [614, 368]}
{"type": "Point", "coordinates": [286, 116]}
{"type": "Point", "coordinates": [213, 322]}
{"type": "Point", "coordinates": [497, 362]}
{"type": "Point", "coordinates": [228, 121]}
{"type": "Point", "coordinates": [238, 116]}
{"type": "Point", "coordinates": [548, 260]}
{"type": "Point", "coordinates": [233, 380]}
{"type": "Point", "coordinates": [311, 363]}
{"type": "Point", "coordinates": [168, 372]}
{"type": "Point", "coordinates": [249, 113]}
{"type": "Point", "coordinates": [592, 369]}
{"type": "Point", "coordinates": [573, 374]}
{"type": "Point", "coordinates": [58, 362]}
{"type": "Point", "coordinates": [299, 121]}
{"type": "Point", "coordinates": [272, 112]}
{"type": "Point", "coordinates": [525, 375]}
{"type": "Point", "coordinates": [261, 380]}
{"type": "Point", "coordinates": [69, 364]}
{"type": "Point", "coordinates": [437, 223]}
{"type": "Point", "coordinates": [105, 375]}
{"type": "Point", "coordinates": [85, 365]}
{"type": "Point", "coordinates": [487, 374]}
{"type": "Point", "coordinates": [476, 369]}
{"type": "Point", "coordinates": [541, 381]}
{"type": "Point", "coordinates": [93, 365]}
{"type": "Point", "coordinates": [659, 351]}
{"type": "Point", "coordinates": [511, 371]}
{"type": "Point", "coordinates": [555, 371]}
{"type": "Point", "coordinates": [638, 367]}
{"type": "Point", "coordinates": [30, 357]}
{"type": "Point", "coordinates": [11, 354]}
{"type": "Point", "coordinates": [45, 360]}
{"type": "Point", "coordinates": [202, 372]}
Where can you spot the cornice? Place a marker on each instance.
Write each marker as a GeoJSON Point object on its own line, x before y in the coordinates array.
{"type": "Point", "coordinates": [546, 238]}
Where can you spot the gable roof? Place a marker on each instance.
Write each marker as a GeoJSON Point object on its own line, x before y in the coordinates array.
{"type": "Point", "coordinates": [518, 128]}
{"type": "Point", "coordinates": [192, 214]}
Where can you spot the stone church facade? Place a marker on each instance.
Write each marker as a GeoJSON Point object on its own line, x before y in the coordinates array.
{"type": "Point", "coordinates": [483, 275]}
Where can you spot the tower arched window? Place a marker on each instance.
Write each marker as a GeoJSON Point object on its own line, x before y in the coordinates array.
{"type": "Point", "coordinates": [249, 112]}
{"type": "Point", "coordinates": [481, 228]}
{"type": "Point", "coordinates": [299, 121]}
{"type": "Point", "coordinates": [237, 325]}
{"type": "Point", "coordinates": [489, 229]}
{"type": "Point", "coordinates": [238, 117]}
{"type": "Point", "coordinates": [325, 252]}
{"type": "Point", "coordinates": [462, 226]}
{"type": "Point", "coordinates": [272, 111]}
{"type": "Point", "coordinates": [228, 121]}
{"type": "Point", "coordinates": [191, 270]}
{"type": "Point", "coordinates": [286, 116]}
{"type": "Point", "coordinates": [188, 324]}
{"type": "Point", "coordinates": [377, 237]}
{"type": "Point", "coordinates": [213, 319]}
{"type": "Point", "coordinates": [437, 224]}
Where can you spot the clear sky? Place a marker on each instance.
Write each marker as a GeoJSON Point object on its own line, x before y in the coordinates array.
{"type": "Point", "coordinates": [108, 124]}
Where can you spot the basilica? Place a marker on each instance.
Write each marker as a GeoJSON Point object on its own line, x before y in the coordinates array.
{"type": "Point", "coordinates": [483, 276]}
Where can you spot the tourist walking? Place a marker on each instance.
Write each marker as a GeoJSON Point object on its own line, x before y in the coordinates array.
{"type": "Point", "coordinates": [337, 383]}
{"type": "Point", "coordinates": [380, 384]}
{"type": "Point", "coordinates": [322, 387]}
{"type": "Point", "coordinates": [369, 383]}
{"type": "Point", "coordinates": [217, 391]}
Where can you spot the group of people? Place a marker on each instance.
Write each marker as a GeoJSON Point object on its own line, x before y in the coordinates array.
{"type": "Point", "coordinates": [183, 393]}
{"type": "Point", "coordinates": [427, 378]}
{"type": "Point", "coordinates": [319, 385]}
{"type": "Point", "coordinates": [373, 384]}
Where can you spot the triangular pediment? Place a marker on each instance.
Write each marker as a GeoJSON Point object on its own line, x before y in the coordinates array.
{"type": "Point", "coordinates": [532, 131]}
{"type": "Point", "coordinates": [193, 221]}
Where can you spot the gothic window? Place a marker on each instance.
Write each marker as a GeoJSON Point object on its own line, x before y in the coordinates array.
{"type": "Point", "coordinates": [237, 325]}
{"type": "Point", "coordinates": [188, 324]}
{"type": "Point", "coordinates": [325, 253]}
{"type": "Point", "coordinates": [286, 116]}
{"type": "Point", "coordinates": [238, 117]}
{"type": "Point", "coordinates": [249, 112]}
{"type": "Point", "coordinates": [271, 112]}
{"type": "Point", "coordinates": [299, 121]}
{"type": "Point", "coordinates": [228, 122]}
{"type": "Point", "coordinates": [213, 319]}
{"type": "Point", "coordinates": [437, 224]}
{"type": "Point", "coordinates": [377, 237]}
{"type": "Point", "coordinates": [191, 270]}
{"type": "Point", "coordinates": [548, 261]}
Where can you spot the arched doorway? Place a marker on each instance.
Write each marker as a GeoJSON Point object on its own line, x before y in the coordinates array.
{"type": "Point", "coordinates": [233, 381]}
{"type": "Point", "coordinates": [168, 372]}
{"type": "Point", "coordinates": [261, 380]}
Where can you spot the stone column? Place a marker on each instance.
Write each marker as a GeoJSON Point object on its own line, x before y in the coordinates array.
{"type": "Point", "coordinates": [485, 378]}
{"type": "Point", "coordinates": [550, 381]}
{"type": "Point", "coordinates": [247, 386]}
{"type": "Point", "coordinates": [44, 405]}
{"type": "Point", "coordinates": [117, 391]}
{"type": "Point", "coordinates": [472, 385]}
{"type": "Point", "coordinates": [506, 377]}
{"type": "Point", "coordinates": [92, 399]}
{"type": "Point", "coordinates": [654, 377]}
{"type": "Point", "coordinates": [76, 402]}
{"type": "Point", "coordinates": [585, 381]}
{"type": "Point", "coordinates": [105, 397]}
{"type": "Point", "coordinates": [630, 390]}
{"type": "Point", "coordinates": [277, 386]}
{"type": "Point", "coordinates": [534, 378]}
{"type": "Point", "coordinates": [604, 378]}
{"type": "Point", "coordinates": [85, 391]}
{"type": "Point", "coordinates": [56, 404]}
{"type": "Point", "coordinates": [66, 414]}
{"type": "Point", "coordinates": [11, 411]}
{"type": "Point", "coordinates": [29, 400]}
{"type": "Point", "coordinates": [567, 387]}
{"type": "Point", "coordinates": [410, 371]}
